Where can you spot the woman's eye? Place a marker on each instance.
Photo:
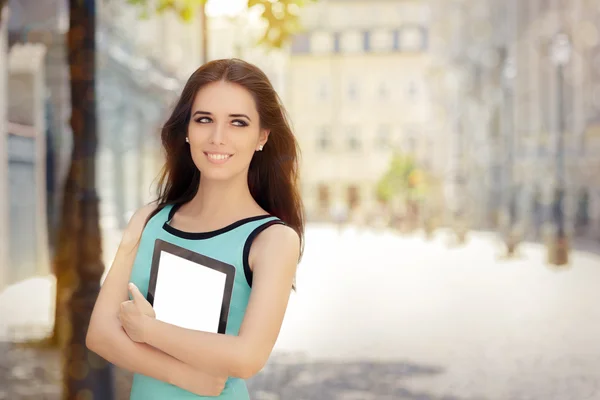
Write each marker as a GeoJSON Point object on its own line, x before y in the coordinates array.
{"type": "Point", "coordinates": [203, 120]}
{"type": "Point", "coordinates": [238, 122]}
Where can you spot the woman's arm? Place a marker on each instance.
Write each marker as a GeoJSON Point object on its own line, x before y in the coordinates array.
{"type": "Point", "coordinates": [274, 257]}
{"type": "Point", "coordinates": [107, 338]}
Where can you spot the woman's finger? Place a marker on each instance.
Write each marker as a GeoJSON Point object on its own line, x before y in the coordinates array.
{"type": "Point", "coordinates": [136, 294]}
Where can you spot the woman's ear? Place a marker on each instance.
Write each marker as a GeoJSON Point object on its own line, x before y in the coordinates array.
{"type": "Point", "coordinates": [264, 136]}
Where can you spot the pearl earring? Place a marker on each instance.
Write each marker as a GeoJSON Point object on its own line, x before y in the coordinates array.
{"type": "Point", "coordinates": [260, 148]}
{"type": "Point", "coordinates": [187, 139]}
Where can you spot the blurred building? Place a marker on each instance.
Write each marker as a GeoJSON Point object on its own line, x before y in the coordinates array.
{"type": "Point", "coordinates": [143, 64]}
{"type": "Point", "coordinates": [569, 108]}
{"type": "Point", "coordinates": [4, 209]}
{"type": "Point", "coordinates": [30, 71]}
{"type": "Point", "coordinates": [533, 119]}
{"type": "Point", "coordinates": [135, 88]}
{"type": "Point", "coordinates": [46, 23]}
{"type": "Point", "coordinates": [458, 101]}
{"type": "Point", "coordinates": [587, 214]}
{"type": "Point", "coordinates": [358, 90]}
{"type": "Point", "coordinates": [161, 37]}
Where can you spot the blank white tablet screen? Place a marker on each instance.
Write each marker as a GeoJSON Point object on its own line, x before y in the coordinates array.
{"type": "Point", "coordinates": [188, 294]}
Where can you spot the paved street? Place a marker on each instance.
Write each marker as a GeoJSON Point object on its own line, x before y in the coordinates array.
{"type": "Point", "coordinates": [377, 316]}
{"type": "Point", "coordinates": [490, 328]}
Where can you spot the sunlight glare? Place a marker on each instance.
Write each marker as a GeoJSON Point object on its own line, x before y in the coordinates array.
{"type": "Point", "coordinates": [216, 8]}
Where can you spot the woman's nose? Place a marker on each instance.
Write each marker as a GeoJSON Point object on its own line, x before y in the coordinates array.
{"type": "Point", "coordinates": [218, 134]}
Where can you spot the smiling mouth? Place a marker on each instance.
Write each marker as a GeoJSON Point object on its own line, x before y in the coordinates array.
{"type": "Point", "coordinates": [218, 158]}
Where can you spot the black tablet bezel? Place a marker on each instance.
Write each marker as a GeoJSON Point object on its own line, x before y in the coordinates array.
{"type": "Point", "coordinates": [228, 269]}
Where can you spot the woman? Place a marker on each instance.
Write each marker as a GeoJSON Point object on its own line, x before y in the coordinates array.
{"type": "Point", "coordinates": [228, 190]}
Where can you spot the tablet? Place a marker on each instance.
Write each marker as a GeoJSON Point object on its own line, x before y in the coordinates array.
{"type": "Point", "coordinates": [189, 289]}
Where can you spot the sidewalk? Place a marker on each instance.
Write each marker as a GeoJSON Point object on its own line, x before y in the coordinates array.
{"type": "Point", "coordinates": [28, 374]}
{"type": "Point", "coordinates": [27, 307]}
{"type": "Point", "coordinates": [439, 315]}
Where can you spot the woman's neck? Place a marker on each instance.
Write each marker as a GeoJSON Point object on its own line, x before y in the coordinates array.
{"type": "Point", "coordinates": [221, 200]}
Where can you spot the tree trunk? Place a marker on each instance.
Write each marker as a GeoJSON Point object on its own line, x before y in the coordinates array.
{"type": "Point", "coordinates": [204, 32]}
{"type": "Point", "coordinates": [119, 182]}
{"type": "Point", "coordinates": [78, 262]}
{"type": "Point", "coordinates": [2, 4]}
{"type": "Point", "coordinates": [141, 155]}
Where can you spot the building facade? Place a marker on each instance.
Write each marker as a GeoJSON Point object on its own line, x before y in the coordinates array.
{"type": "Point", "coordinates": [137, 86]}
{"type": "Point", "coordinates": [4, 209]}
{"type": "Point", "coordinates": [525, 122]}
{"type": "Point", "coordinates": [358, 91]}
{"type": "Point", "coordinates": [46, 24]}
{"type": "Point", "coordinates": [161, 37]}
{"type": "Point", "coordinates": [556, 114]}
{"type": "Point", "coordinates": [25, 125]}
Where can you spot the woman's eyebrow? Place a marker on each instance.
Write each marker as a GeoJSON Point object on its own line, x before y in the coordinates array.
{"type": "Point", "coordinates": [231, 115]}
{"type": "Point", "coordinates": [240, 116]}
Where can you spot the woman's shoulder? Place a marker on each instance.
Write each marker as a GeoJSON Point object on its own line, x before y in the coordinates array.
{"type": "Point", "coordinates": [140, 216]}
{"type": "Point", "coordinates": [137, 222]}
{"type": "Point", "coordinates": [278, 236]}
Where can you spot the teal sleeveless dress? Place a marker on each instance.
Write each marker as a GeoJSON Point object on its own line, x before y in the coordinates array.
{"type": "Point", "coordinates": [231, 245]}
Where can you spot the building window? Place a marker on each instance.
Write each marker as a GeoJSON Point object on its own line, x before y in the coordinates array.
{"type": "Point", "coordinates": [411, 145]}
{"type": "Point", "coordinates": [595, 93]}
{"type": "Point", "coordinates": [495, 124]}
{"type": "Point", "coordinates": [496, 172]}
{"type": "Point", "coordinates": [412, 90]}
{"type": "Point", "coordinates": [383, 137]}
{"type": "Point", "coordinates": [430, 155]}
{"type": "Point", "coordinates": [383, 92]}
{"type": "Point", "coordinates": [324, 197]}
{"type": "Point", "coordinates": [545, 102]}
{"type": "Point", "coordinates": [353, 91]}
{"type": "Point", "coordinates": [582, 215]}
{"type": "Point", "coordinates": [353, 139]}
{"type": "Point", "coordinates": [323, 90]}
{"type": "Point", "coordinates": [352, 42]}
{"type": "Point", "coordinates": [425, 162]}
{"type": "Point", "coordinates": [381, 40]}
{"type": "Point", "coordinates": [336, 42]}
{"type": "Point", "coordinates": [396, 40]}
{"type": "Point", "coordinates": [412, 39]}
{"type": "Point", "coordinates": [324, 138]}
{"type": "Point", "coordinates": [353, 197]}
{"type": "Point", "coordinates": [321, 42]}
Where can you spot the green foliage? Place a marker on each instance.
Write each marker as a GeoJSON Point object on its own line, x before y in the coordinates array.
{"type": "Point", "coordinates": [402, 178]}
{"type": "Point", "coordinates": [282, 18]}
{"type": "Point", "coordinates": [186, 9]}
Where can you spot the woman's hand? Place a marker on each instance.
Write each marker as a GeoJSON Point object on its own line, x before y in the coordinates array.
{"type": "Point", "coordinates": [134, 314]}
{"type": "Point", "coordinates": [207, 385]}
{"type": "Point", "coordinates": [197, 382]}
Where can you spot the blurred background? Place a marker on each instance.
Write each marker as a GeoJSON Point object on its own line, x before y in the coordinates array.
{"type": "Point", "coordinates": [450, 174]}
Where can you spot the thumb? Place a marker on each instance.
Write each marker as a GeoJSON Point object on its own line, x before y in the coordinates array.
{"type": "Point", "coordinates": [135, 292]}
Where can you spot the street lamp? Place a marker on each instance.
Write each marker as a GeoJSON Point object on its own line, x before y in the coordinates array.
{"type": "Point", "coordinates": [509, 73]}
{"type": "Point", "coordinates": [558, 248]}
{"type": "Point", "coordinates": [460, 177]}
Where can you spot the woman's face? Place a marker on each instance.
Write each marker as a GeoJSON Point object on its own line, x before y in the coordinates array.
{"type": "Point", "coordinates": [224, 130]}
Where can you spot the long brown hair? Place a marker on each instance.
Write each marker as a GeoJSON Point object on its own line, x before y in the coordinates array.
{"type": "Point", "coordinates": [273, 172]}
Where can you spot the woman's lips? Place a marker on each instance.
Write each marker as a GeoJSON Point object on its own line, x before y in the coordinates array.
{"type": "Point", "coordinates": [218, 158]}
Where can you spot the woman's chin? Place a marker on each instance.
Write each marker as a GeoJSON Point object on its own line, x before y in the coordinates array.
{"type": "Point", "coordinates": [215, 174]}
